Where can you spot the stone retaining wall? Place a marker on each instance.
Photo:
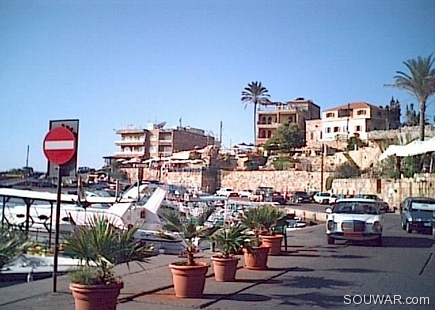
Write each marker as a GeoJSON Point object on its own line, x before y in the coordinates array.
{"type": "Point", "coordinates": [392, 191]}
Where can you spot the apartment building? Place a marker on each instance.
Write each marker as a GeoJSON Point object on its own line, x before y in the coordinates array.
{"type": "Point", "coordinates": [343, 122]}
{"type": "Point", "coordinates": [156, 141]}
{"type": "Point", "coordinates": [297, 111]}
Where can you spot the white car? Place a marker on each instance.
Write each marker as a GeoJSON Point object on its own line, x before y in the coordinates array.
{"type": "Point", "coordinates": [246, 193]}
{"type": "Point", "coordinates": [224, 191]}
{"type": "Point", "coordinates": [354, 219]}
{"type": "Point", "coordinates": [324, 198]}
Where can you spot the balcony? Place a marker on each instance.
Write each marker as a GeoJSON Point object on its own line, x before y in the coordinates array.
{"type": "Point", "coordinates": [128, 154]}
{"type": "Point", "coordinates": [165, 142]}
{"type": "Point", "coordinates": [130, 142]}
{"type": "Point", "coordinates": [266, 125]}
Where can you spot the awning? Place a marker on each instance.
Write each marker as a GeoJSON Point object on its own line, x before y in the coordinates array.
{"type": "Point", "coordinates": [411, 149]}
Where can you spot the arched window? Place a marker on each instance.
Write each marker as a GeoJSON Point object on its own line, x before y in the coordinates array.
{"type": "Point", "coordinates": [269, 120]}
{"type": "Point", "coordinates": [263, 134]}
{"type": "Point", "coordinates": [269, 133]}
{"type": "Point", "coordinates": [263, 120]}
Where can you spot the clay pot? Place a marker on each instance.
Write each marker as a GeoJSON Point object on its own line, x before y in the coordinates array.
{"type": "Point", "coordinates": [95, 297]}
{"type": "Point", "coordinates": [189, 281]}
{"type": "Point", "coordinates": [256, 258]}
{"type": "Point", "coordinates": [274, 242]}
{"type": "Point", "coordinates": [225, 268]}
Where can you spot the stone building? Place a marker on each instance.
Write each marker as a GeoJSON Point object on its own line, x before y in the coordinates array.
{"type": "Point", "coordinates": [156, 141]}
{"type": "Point", "coordinates": [297, 112]}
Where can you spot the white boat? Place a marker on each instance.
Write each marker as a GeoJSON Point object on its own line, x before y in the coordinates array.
{"type": "Point", "coordinates": [137, 206]}
{"type": "Point", "coordinates": [27, 268]}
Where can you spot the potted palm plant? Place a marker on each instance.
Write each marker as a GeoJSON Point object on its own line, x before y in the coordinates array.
{"type": "Point", "coordinates": [100, 246]}
{"type": "Point", "coordinates": [270, 215]}
{"type": "Point", "coordinates": [229, 240]}
{"type": "Point", "coordinates": [260, 221]}
{"type": "Point", "coordinates": [12, 244]}
{"type": "Point", "coordinates": [189, 275]}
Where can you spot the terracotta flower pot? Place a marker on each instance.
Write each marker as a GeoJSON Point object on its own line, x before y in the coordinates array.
{"type": "Point", "coordinates": [189, 281]}
{"type": "Point", "coordinates": [225, 268]}
{"type": "Point", "coordinates": [95, 297]}
{"type": "Point", "coordinates": [256, 258]}
{"type": "Point", "coordinates": [274, 242]}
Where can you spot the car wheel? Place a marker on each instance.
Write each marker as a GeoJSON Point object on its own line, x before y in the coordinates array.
{"type": "Point", "coordinates": [330, 240]}
{"type": "Point", "coordinates": [408, 228]}
{"type": "Point", "coordinates": [402, 224]}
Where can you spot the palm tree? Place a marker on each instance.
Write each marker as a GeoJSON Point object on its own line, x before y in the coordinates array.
{"type": "Point", "coordinates": [256, 94]}
{"type": "Point", "coordinates": [420, 82]}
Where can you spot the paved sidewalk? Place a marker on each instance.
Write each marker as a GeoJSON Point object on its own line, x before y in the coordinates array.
{"type": "Point", "coordinates": [149, 285]}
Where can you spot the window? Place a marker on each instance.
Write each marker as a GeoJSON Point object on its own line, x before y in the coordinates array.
{"type": "Point", "coordinates": [311, 136]}
{"type": "Point", "coordinates": [290, 119]}
{"type": "Point", "coordinates": [263, 120]}
{"type": "Point", "coordinates": [269, 120]}
{"type": "Point", "coordinates": [328, 129]}
{"type": "Point", "coordinates": [336, 129]}
{"type": "Point", "coordinates": [263, 134]}
{"type": "Point", "coordinates": [269, 133]}
{"type": "Point", "coordinates": [358, 128]}
{"type": "Point", "coordinates": [330, 114]}
{"type": "Point", "coordinates": [361, 112]}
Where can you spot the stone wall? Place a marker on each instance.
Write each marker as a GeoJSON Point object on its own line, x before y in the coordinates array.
{"type": "Point", "coordinates": [209, 180]}
{"type": "Point", "coordinates": [280, 180]}
{"type": "Point", "coordinates": [392, 191]}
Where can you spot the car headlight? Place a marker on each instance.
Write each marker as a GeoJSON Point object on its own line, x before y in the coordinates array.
{"type": "Point", "coordinates": [377, 227]}
{"type": "Point", "coordinates": [330, 225]}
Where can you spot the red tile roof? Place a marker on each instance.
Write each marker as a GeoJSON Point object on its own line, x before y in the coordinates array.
{"type": "Point", "coordinates": [354, 105]}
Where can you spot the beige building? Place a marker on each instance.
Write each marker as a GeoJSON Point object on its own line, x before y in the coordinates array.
{"type": "Point", "coordinates": [156, 141]}
{"type": "Point", "coordinates": [269, 118]}
{"type": "Point", "coordinates": [340, 123]}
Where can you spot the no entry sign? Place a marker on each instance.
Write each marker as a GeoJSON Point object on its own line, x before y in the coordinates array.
{"type": "Point", "coordinates": [59, 145]}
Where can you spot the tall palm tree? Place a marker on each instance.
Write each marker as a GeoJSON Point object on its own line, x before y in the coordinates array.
{"type": "Point", "coordinates": [256, 94]}
{"type": "Point", "coordinates": [420, 82]}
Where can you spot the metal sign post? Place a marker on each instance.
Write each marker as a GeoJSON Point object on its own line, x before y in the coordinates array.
{"type": "Point", "coordinates": [56, 236]}
{"type": "Point", "coordinates": [59, 148]}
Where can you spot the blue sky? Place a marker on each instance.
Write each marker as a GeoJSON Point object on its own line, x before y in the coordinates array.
{"type": "Point", "coordinates": [114, 63]}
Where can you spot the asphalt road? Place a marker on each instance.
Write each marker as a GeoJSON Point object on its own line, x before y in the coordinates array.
{"type": "Point", "coordinates": [347, 274]}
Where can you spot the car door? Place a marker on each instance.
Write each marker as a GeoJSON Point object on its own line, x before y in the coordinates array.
{"type": "Point", "coordinates": [403, 211]}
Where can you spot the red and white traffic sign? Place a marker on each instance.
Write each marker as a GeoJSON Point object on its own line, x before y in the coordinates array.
{"type": "Point", "coordinates": [59, 145]}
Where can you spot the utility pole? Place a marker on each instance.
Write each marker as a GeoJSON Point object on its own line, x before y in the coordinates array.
{"type": "Point", "coordinates": [26, 176]}
{"type": "Point", "coordinates": [220, 133]}
{"type": "Point", "coordinates": [321, 166]}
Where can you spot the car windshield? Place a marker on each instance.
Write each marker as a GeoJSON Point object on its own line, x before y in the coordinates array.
{"type": "Point", "coordinates": [356, 207]}
{"type": "Point", "coordinates": [423, 205]}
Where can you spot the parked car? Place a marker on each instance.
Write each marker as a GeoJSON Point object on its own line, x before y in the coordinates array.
{"type": "Point", "coordinates": [324, 198]}
{"type": "Point", "coordinates": [246, 193]}
{"type": "Point", "coordinates": [224, 191]}
{"type": "Point", "coordinates": [417, 213]}
{"type": "Point", "coordinates": [275, 197]}
{"type": "Point", "coordinates": [260, 193]}
{"type": "Point", "coordinates": [384, 205]}
{"type": "Point", "coordinates": [299, 197]}
{"type": "Point", "coordinates": [354, 219]}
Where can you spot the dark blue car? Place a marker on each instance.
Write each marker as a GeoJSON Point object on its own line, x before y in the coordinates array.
{"type": "Point", "coordinates": [417, 213]}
